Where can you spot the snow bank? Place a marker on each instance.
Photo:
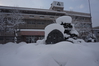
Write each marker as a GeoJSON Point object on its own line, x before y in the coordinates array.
{"type": "Point", "coordinates": [60, 54]}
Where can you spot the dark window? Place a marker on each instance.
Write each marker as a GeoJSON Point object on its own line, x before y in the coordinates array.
{"type": "Point", "coordinates": [40, 23]}
{"type": "Point", "coordinates": [76, 17]}
{"type": "Point", "coordinates": [51, 17]}
{"type": "Point", "coordinates": [10, 38]}
{"type": "Point", "coordinates": [58, 10]}
{"type": "Point", "coordinates": [32, 16]}
{"type": "Point", "coordinates": [58, 4]}
{"type": "Point", "coordinates": [30, 22]}
{"type": "Point", "coordinates": [41, 16]}
{"type": "Point", "coordinates": [1, 37]}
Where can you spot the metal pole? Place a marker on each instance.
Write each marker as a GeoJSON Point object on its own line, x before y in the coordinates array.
{"type": "Point", "coordinates": [89, 7]}
{"type": "Point", "coordinates": [90, 14]}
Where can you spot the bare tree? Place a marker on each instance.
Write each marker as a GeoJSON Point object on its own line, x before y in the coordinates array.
{"type": "Point", "coordinates": [15, 20]}
{"type": "Point", "coordinates": [3, 25]}
{"type": "Point", "coordinates": [11, 21]}
{"type": "Point", "coordinates": [2, 21]}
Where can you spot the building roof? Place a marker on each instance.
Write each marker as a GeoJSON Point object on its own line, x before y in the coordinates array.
{"type": "Point", "coordinates": [96, 28]}
{"type": "Point", "coordinates": [77, 13]}
{"type": "Point", "coordinates": [48, 10]}
{"type": "Point", "coordinates": [30, 9]}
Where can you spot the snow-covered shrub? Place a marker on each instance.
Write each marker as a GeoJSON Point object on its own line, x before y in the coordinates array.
{"type": "Point", "coordinates": [66, 22]}
{"type": "Point", "coordinates": [91, 38]}
{"type": "Point", "coordinates": [62, 30]}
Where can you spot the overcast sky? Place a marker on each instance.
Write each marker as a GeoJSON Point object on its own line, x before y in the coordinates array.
{"type": "Point", "coordinates": [74, 5]}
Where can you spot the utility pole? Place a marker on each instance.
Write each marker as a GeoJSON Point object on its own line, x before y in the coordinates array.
{"type": "Point", "coordinates": [89, 7]}
{"type": "Point", "coordinates": [90, 14]}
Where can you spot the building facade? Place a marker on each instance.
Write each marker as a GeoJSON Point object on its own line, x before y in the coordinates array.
{"type": "Point", "coordinates": [37, 19]}
{"type": "Point", "coordinates": [96, 33]}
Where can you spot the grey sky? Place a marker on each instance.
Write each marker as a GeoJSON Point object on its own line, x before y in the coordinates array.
{"type": "Point", "coordinates": [74, 5]}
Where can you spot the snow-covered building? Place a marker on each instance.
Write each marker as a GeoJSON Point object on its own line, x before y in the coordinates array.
{"type": "Point", "coordinates": [96, 33]}
{"type": "Point", "coordinates": [37, 19]}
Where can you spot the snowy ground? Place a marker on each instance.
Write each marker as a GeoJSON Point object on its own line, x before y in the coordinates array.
{"type": "Point", "coordinates": [60, 54]}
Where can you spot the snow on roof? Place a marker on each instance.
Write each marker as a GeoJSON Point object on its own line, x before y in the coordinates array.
{"type": "Point", "coordinates": [31, 29]}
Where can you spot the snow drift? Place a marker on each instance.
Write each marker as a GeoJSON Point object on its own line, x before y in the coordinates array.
{"type": "Point", "coordinates": [60, 54]}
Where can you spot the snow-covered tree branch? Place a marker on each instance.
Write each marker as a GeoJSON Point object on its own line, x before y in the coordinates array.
{"type": "Point", "coordinates": [11, 21]}
{"type": "Point", "coordinates": [2, 21]}
{"type": "Point", "coordinates": [15, 20]}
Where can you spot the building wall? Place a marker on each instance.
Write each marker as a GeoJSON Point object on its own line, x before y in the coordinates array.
{"type": "Point", "coordinates": [96, 33]}
{"type": "Point", "coordinates": [40, 18]}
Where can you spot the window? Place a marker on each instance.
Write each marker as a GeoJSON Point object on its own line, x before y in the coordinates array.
{"type": "Point", "coordinates": [33, 22]}
{"type": "Point", "coordinates": [1, 38]}
{"type": "Point", "coordinates": [32, 16]}
{"type": "Point", "coordinates": [58, 10]}
{"type": "Point", "coordinates": [30, 22]}
{"type": "Point", "coordinates": [41, 16]}
{"type": "Point", "coordinates": [51, 17]}
{"type": "Point", "coordinates": [59, 4]}
{"type": "Point", "coordinates": [40, 23]}
{"type": "Point", "coordinates": [81, 18]}
{"type": "Point", "coordinates": [89, 25]}
{"type": "Point", "coordinates": [10, 38]}
{"type": "Point", "coordinates": [76, 17]}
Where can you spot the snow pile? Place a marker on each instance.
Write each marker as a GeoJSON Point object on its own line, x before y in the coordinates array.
{"type": "Point", "coordinates": [73, 31]}
{"type": "Point", "coordinates": [51, 27]}
{"type": "Point", "coordinates": [60, 54]}
{"type": "Point", "coordinates": [64, 19]}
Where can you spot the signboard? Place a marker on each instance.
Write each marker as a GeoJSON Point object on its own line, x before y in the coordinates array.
{"type": "Point", "coordinates": [58, 4]}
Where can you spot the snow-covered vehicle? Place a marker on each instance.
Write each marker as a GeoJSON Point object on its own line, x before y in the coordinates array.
{"type": "Point", "coordinates": [62, 30]}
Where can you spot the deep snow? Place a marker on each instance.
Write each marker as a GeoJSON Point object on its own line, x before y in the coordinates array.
{"type": "Point", "coordinates": [60, 54]}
